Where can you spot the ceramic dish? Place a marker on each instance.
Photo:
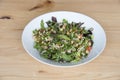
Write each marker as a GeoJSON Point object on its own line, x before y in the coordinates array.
{"type": "Point", "coordinates": [98, 32]}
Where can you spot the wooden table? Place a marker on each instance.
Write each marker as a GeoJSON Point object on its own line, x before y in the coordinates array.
{"type": "Point", "coordinates": [16, 64]}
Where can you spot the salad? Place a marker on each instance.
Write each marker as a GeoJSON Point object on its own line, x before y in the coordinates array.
{"type": "Point", "coordinates": [63, 41]}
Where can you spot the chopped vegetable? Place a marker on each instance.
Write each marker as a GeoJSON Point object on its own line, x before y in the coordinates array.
{"type": "Point", "coordinates": [63, 41]}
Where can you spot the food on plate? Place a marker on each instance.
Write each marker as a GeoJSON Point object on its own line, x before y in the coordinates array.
{"type": "Point", "coordinates": [63, 41]}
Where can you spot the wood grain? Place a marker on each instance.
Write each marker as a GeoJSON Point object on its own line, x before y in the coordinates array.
{"type": "Point", "coordinates": [16, 64]}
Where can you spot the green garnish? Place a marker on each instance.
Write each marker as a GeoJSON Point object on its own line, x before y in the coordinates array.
{"type": "Point", "coordinates": [63, 37]}
{"type": "Point", "coordinates": [42, 24]}
{"type": "Point", "coordinates": [63, 41]}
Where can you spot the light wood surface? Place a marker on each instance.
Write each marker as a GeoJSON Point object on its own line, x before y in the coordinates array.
{"type": "Point", "coordinates": [16, 64]}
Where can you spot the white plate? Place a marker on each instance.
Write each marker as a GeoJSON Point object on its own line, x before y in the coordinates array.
{"type": "Point", "coordinates": [98, 32]}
